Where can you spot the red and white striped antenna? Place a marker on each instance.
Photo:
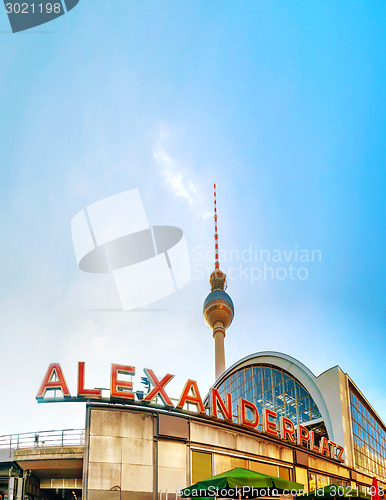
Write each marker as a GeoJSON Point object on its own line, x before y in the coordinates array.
{"type": "Point", "coordinates": [216, 261]}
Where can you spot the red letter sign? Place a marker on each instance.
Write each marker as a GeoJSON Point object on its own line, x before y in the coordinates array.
{"type": "Point", "coordinates": [341, 451]}
{"type": "Point", "coordinates": [312, 439]}
{"type": "Point", "coordinates": [87, 393]}
{"type": "Point", "coordinates": [303, 435]}
{"type": "Point", "coordinates": [226, 411]}
{"type": "Point", "coordinates": [194, 398]}
{"type": "Point", "coordinates": [268, 426]}
{"type": "Point", "coordinates": [158, 388]}
{"type": "Point", "coordinates": [118, 386]}
{"type": "Point", "coordinates": [323, 446]}
{"type": "Point", "coordinates": [287, 429]}
{"type": "Point", "coordinates": [49, 384]}
{"type": "Point", "coordinates": [242, 417]}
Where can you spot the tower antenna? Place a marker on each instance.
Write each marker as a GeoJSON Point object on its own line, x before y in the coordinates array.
{"type": "Point", "coordinates": [216, 260]}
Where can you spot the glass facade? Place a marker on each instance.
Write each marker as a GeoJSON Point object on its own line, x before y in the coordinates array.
{"type": "Point", "coordinates": [369, 437]}
{"type": "Point", "coordinates": [271, 388]}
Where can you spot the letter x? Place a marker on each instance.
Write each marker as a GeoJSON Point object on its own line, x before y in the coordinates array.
{"type": "Point", "coordinates": [158, 387]}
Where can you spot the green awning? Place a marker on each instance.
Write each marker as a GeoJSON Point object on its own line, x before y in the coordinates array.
{"type": "Point", "coordinates": [235, 483]}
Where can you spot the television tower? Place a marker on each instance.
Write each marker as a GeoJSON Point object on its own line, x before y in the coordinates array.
{"type": "Point", "coordinates": [218, 310]}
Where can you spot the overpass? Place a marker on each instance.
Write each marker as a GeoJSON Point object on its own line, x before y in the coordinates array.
{"type": "Point", "coordinates": [45, 465]}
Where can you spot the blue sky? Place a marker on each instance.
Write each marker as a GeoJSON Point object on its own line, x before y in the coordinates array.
{"type": "Point", "coordinates": [280, 103]}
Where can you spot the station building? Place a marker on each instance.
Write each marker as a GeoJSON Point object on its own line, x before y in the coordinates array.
{"type": "Point", "coordinates": [133, 449]}
{"type": "Point", "coordinates": [147, 453]}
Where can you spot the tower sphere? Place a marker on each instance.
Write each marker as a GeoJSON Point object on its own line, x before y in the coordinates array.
{"type": "Point", "coordinates": [218, 306]}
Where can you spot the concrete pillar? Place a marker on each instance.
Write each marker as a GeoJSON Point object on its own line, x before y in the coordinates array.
{"type": "Point", "coordinates": [219, 351]}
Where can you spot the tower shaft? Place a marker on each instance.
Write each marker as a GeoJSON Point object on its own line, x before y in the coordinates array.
{"type": "Point", "coordinates": [219, 349]}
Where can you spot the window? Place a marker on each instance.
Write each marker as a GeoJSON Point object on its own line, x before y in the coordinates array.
{"type": "Point", "coordinates": [369, 437]}
{"type": "Point", "coordinates": [269, 469]}
{"type": "Point", "coordinates": [312, 482]}
{"type": "Point", "coordinates": [222, 463]}
{"type": "Point", "coordinates": [285, 473]}
{"type": "Point", "coordinates": [271, 388]}
{"type": "Point", "coordinates": [320, 481]}
{"type": "Point", "coordinates": [201, 466]}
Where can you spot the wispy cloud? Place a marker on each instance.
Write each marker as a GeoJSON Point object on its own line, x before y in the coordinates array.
{"type": "Point", "coordinates": [174, 179]}
{"type": "Point", "coordinates": [171, 171]}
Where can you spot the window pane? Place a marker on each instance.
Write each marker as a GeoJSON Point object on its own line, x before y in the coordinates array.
{"type": "Point", "coordinates": [222, 463]}
{"type": "Point", "coordinates": [284, 473]}
{"type": "Point", "coordinates": [291, 408]}
{"type": "Point", "coordinates": [277, 376]}
{"type": "Point", "coordinates": [315, 414]}
{"type": "Point", "coordinates": [266, 372]}
{"type": "Point", "coordinates": [303, 404]}
{"type": "Point", "coordinates": [258, 389]}
{"type": "Point", "coordinates": [289, 384]}
{"type": "Point", "coordinates": [300, 391]}
{"type": "Point", "coordinates": [201, 466]}
{"type": "Point", "coordinates": [278, 389]}
{"type": "Point", "coordinates": [312, 482]}
{"type": "Point", "coordinates": [269, 469]}
{"type": "Point", "coordinates": [322, 481]}
{"type": "Point", "coordinates": [258, 399]}
{"type": "Point", "coordinates": [304, 416]}
{"type": "Point", "coordinates": [239, 462]}
{"type": "Point", "coordinates": [267, 384]}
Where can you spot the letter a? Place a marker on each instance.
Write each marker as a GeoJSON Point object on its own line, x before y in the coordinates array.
{"type": "Point", "coordinates": [48, 384]}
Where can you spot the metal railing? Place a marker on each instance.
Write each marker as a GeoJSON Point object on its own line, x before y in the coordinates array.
{"type": "Point", "coordinates": [65, 437]}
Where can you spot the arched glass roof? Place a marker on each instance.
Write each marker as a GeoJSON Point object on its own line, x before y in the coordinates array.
{"type": "Point", "coordinates": [273, 388]}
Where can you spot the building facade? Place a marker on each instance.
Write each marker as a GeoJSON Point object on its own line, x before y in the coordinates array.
{"type": "Point", "coordinates": [252, 417]}
{"type": "Point", "coordinates": [143, 452]}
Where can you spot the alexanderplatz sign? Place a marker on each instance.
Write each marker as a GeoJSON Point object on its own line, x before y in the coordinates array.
{"type": "Point", "coordinates": [121, 391]}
